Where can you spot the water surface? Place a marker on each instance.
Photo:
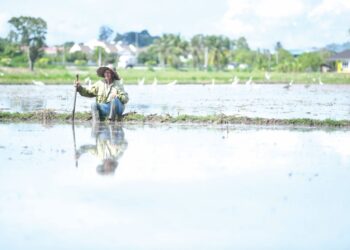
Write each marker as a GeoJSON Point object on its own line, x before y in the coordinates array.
{"type": "Point", "coordinates": [266, 100]}
{"type": "Point", "coordinates": [173, 187]}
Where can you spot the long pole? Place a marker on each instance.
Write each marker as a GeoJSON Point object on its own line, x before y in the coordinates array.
{"type": "Point", "coordinates": [75, 146]}
{"type": "Point", "coordinates": [73, 127]}
{"type": "Point", "coordinates": [75, 99]}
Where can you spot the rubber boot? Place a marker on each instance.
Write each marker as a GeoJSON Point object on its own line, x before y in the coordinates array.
{"type": "Point", "coordinates": [112, 112]}
{"type": "Point", "coordinates": [95, 113]}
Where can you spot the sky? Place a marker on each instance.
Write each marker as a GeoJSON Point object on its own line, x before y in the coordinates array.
{"type": "Point", "coordinates": [297, 24]}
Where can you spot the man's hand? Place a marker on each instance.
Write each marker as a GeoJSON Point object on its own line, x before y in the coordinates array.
{"type": "Point", "coordinates": [77, 84]}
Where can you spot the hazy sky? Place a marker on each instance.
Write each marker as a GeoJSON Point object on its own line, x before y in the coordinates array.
{"type": "Point", "coordinates": [296, 23]}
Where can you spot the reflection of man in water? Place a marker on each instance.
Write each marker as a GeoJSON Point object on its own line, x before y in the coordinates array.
{"type": "Point", "coordinates": [110, 146]}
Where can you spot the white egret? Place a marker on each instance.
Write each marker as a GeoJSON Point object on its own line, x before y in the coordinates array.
{"type": "Point", "coordinates": [320, 81]}
{"type": "Point", "coordinates": [250, 80]}
{"type": "Point", "coordinates": [173, 82]}
{"type": "Point", "coordinates": [141, 82]}
{"type": "Point", "coordinates": [235, 80]}
{"type": "Point", "coordinates": [155, 81]}
{"type": "Point", "coordinates": [289, 84]}
{"type": "Point", "coordinates": [39, 83]}
{"type": "Point", "coordinates": [88, 81]}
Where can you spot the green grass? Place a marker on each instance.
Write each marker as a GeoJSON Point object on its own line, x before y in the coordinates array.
{"type": "Point", "coordinates": [51, 116]}
{"type": "Point", "coordinates": [131, 76]}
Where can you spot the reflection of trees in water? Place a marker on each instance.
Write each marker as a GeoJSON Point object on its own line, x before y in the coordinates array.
{"type": "Point", "coordinates": [109, 147]}
{"type": "Point", "coordinates": [25, 104]}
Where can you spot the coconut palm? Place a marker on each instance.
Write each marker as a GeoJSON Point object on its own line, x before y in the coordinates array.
{"type": "Point", "coordinates": [219, 50]}
{"type": "Point", "coordinates": [170, 48]}
{"type": "Point", "coordinates": [197, 51]}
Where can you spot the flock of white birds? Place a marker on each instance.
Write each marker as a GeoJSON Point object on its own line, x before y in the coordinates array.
{"type": "Point", "coordinates": [234, 81]}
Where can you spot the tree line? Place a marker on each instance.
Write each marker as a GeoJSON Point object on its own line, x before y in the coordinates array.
{"type": "Point", "coordinates": [216, 52]}
{"type": "Point", "coordinates": [27, 36]}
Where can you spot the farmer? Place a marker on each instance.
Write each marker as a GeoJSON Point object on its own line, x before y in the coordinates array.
{"type": "Point", "coordinates": [109, 92]}
{"type": "Point", "coordinates": [109, 147]}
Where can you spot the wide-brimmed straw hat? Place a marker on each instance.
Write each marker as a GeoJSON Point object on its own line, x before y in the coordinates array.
{"type": "Point", "coordinates": [101, 71]}
{"type": "Point", "coordinates": [107, 167]}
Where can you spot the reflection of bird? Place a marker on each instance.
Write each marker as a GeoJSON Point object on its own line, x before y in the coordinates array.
{"type": "Point", "coordinates": [267, 76]}
{"type": "Point", "coordinates": [235, 80]}
{"type": "Point", "coordinates": [141, 82]}
{"type": "Point", "coordinates": [173, 82]}
{"type": "Point", "coordinates": [155, 81]}
{"type": "Point", "coordinates": [250, 80]}
{"type": "Point", "coordinates": [319, 81]}
{"type": "Point", "coordinates": [289, 84]}
{"type": "Point", "coordinates": [87, 80]}
{"type": "Point", "coordinates": [38, 83]}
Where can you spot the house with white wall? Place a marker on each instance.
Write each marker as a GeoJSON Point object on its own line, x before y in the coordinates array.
{"type": "Point", "coordinates": [80, 47]}
{"type": "Point", "coordinates": [126, 55]}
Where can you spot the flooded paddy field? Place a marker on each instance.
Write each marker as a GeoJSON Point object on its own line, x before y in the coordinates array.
{"type": "Point", "coordinates": [261, 100]}
{"type": "Point", "coordinates": [173, 187]}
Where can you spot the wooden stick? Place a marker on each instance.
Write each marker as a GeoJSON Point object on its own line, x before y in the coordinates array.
{"type": "Point", "coordinates": [75, 145]}
{"type": "Point", "coordinates": [73, 127]}
{"type": "Point", "coordinates": [75, 99]}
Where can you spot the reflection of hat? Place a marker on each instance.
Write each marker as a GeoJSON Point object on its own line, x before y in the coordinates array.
{"type": "Point", "coordinates": [101, 71]}
{"type": "Point", "coordinates": [107, 167]}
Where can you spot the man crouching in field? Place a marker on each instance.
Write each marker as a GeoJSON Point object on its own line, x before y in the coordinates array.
{"type": "Point", "coordinates": [109, 92]}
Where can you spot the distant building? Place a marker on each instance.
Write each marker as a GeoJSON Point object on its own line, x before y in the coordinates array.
{"type": "Point", "coordinates": [342, 61]}
{"type": "Point", "coordinates": [126, 55]}
{"type": "Point", "coordinates": [80, 47]}
{"type": "Point", "coordinates": [109, 48]}
{"type": "Point", "coordinates": [231, 66]}
{"type": "Point", "coordinates": [243, 66]}
{"type": "Point", "coordinates": [236, 65]}
{"type": "Point", "coordinates": [324, 68]}
{"type": "Point", "coordinates": [51, 51]}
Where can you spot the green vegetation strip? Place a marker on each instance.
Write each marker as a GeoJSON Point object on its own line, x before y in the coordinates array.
{"type": "Point", "coordinates": [51, 116]}
{"type": "Point", "coordinates": [164, 76]}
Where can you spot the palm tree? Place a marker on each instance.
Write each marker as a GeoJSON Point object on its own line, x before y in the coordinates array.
{"type": "Point", "coordinates": [219, 50]}
{"type": "Point", "coordinates": [169, 48]}
{"type": "Point", "coordinates": [197, 51]}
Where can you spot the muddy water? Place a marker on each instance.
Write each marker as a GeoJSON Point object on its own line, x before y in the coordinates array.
{"type": "Point", "coordinates": [173, 187]}
{"type": "Point", "coordinates": [267, 101]}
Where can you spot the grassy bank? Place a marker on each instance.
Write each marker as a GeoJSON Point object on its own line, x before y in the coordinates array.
{"type": "Point", "coordinates": [164, 76]}
{"type": "Point", "coordinates": [51, 116]}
